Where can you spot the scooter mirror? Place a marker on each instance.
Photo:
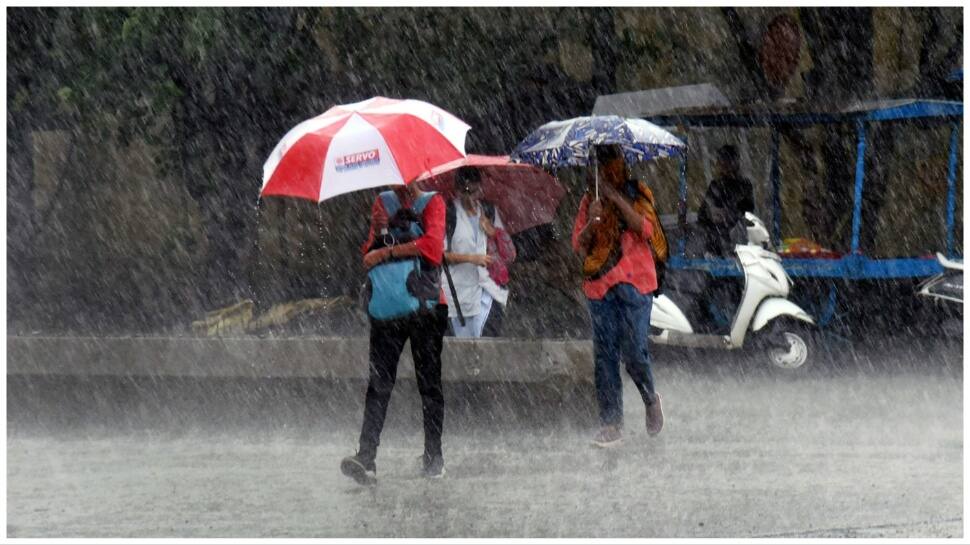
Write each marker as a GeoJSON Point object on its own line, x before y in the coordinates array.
{"type": "Point", "coordinates": [757, 232]}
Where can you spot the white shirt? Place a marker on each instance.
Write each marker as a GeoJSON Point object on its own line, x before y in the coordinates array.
{"type": "Point", "coordinates": [470, 279]}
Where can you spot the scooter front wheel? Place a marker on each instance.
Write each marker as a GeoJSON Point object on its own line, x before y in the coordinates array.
{"type": "Point", "coordinates": [789, 351]}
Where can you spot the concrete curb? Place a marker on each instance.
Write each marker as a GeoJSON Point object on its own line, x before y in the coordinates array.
{"type": "Point", "coordinates": [464, 360]}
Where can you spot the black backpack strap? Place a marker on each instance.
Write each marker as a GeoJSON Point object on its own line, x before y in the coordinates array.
{"type": "Point", "coordinates": [450, 221]}
{"type": "Point", "coordinates": [451, 287]}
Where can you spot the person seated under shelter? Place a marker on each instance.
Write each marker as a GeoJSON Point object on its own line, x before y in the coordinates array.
{"type": "Point", "coordinates": [727, 198]}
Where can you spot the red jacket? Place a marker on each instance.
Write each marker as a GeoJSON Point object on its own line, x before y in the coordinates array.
{"type": "Point", "coordinates": [635, 267]}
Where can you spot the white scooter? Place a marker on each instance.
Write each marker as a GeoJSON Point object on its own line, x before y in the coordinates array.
{"type": "Point", "coordinates": [764, 302]}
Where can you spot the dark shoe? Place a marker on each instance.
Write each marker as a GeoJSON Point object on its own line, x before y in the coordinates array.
{"type": "Point", "coordinates": [609, 436]}
{"type": "Point", "coordinates": [432, 467]}
{"type": "Point", "coordinates": [353, 467]}
{"type": "Point", "coordinates": [655, 417]}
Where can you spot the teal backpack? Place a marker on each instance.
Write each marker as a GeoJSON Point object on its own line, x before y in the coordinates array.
{"type": "Point", "coordinates": [403, 286]}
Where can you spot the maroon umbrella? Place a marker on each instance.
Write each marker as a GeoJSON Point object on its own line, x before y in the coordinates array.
{"type": "Point", "coordinates": [525, 195]}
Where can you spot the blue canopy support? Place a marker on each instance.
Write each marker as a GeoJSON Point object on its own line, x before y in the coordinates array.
{"type": "Point", "coordinates": [850, 267]}
{"type": "Point", "coordinates": [951, 188]}
{"type": "Point", "coordinates": [908, 109]}
{"type": "Point", "coordinates": [775, 178]}
{"type": "Point", "coordinates": [861, 267]}
{"type": "Point", "coordinates": [816, 268]}
{"type": "Point", "coordinates": [828, 311]}
{"type": "Point", "coordinates": [860, 173]}
{"type": "Point", "coordinates": [880, 110]}
{"type": "Point", "coordinates": [855, 265]}
{"type": "Point", "coordinates": [682, 205]}
{"type": "Point", "coordinates": [718, 267]}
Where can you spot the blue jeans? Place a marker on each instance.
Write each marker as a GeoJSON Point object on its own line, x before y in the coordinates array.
{"type": "Point", "coordinates": [621, 325]}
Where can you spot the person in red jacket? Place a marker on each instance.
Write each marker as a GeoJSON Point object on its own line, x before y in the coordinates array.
{"type": "Point", "coordinates": [424, 328]}
{"type": "Point", "coordinates": [612, 236]}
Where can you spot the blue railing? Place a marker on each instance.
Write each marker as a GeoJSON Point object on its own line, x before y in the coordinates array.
{"type": "Point", "coordinates": [850, 267]}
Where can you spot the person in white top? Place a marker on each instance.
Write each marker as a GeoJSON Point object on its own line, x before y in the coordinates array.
{"type": "Point", "coordinates": [472, 227]}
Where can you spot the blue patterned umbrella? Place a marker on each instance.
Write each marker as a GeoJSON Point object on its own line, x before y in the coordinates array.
{"type": "Point", "coordinates": [567, 143]}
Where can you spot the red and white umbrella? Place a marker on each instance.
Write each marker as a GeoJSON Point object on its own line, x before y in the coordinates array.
{"type": "Point", "coordinates": [374, 143]}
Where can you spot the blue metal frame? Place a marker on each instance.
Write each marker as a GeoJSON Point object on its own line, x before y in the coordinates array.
{"type": "Point", "coordinates": [828, 313]}
{"type": "Point", "coordinates": [860, 174]}
{"type": "Point", "coordinates": [895, 110]}
{"type": "Point", "coordinates": [916, 110]}
{"type": "Point", "coordinates": [719, 267]}
{"type": "Point", "coordinates": [951, 188]}
{"type": "Point", "coordinates": [859, 267]}
{"type": "Point", "coordinates": [850, 267]}
{"type": "Point", "coordinates": [682, 205]}
{"type": "Point", "coordinates": [854, 266]}
{"type": "Point", "coordinates": [775, 176]}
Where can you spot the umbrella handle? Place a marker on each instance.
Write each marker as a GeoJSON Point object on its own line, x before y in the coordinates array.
{"type": "Point", "coordinates": [591, 151]}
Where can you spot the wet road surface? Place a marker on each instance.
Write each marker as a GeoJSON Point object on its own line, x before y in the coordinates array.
{"type": "Point", "coordinates": [869, 444]}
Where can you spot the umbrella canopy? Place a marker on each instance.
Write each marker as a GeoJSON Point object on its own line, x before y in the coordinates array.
{"type": "Point", "coordinates": [377, 142]}
{"type": "Point", "coordinates": [525, 195]}
{"type": "Point", "coordinates": [567, 143]}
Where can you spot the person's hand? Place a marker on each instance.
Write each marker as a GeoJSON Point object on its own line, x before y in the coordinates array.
{"type": "Point", "coordinates": [374, 257]}
{"type": "Point", "coordinates": [486, 226]}
{"type": "Point", "coordinates": [596, 211]}
{"type": "Point", "coordinates": [482, 260]}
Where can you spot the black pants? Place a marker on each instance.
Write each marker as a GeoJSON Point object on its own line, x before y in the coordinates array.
{"type": "Point", "coordinates": [387, 338]}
